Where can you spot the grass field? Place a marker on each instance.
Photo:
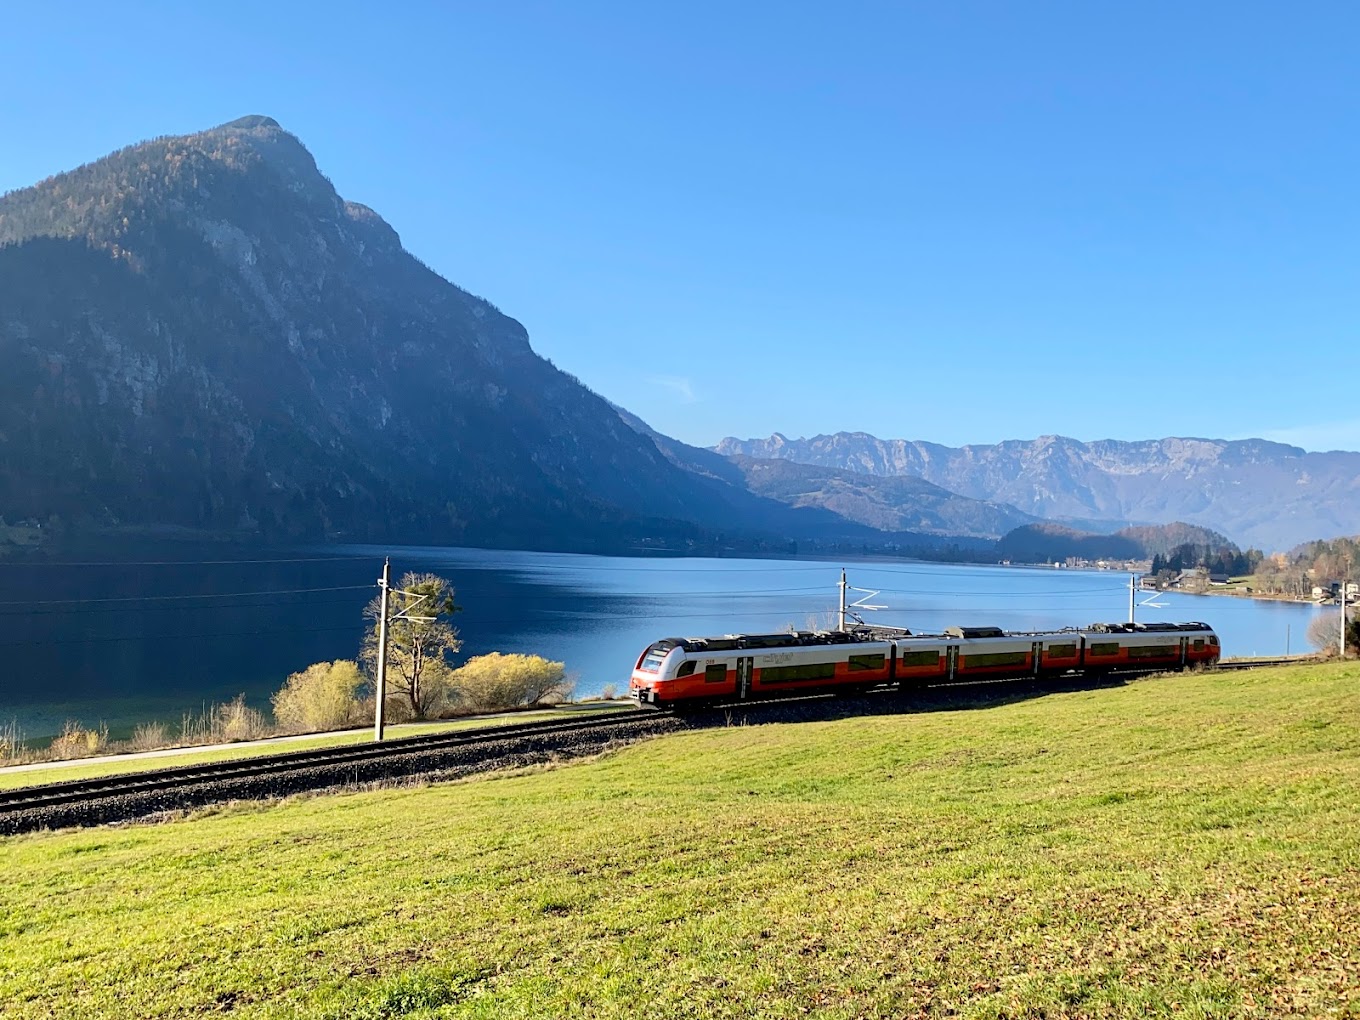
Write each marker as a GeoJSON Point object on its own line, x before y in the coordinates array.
{"type": "Point", "coordinates": [1187, 846]}
{"type": "Point", "coordinates": [12, 778]}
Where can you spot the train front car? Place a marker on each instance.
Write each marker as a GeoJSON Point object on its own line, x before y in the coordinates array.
{"type": "Point", "coordinates": [650, 684]}
{"type": "Point", "coordinates": [691, 671]}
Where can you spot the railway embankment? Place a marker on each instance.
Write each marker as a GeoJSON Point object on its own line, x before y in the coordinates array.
{"type": "Point", "coordinates": [1183, 845]}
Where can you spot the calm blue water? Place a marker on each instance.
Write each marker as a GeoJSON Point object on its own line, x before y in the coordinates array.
{"type": "Point", "coordinates": [130, 641]}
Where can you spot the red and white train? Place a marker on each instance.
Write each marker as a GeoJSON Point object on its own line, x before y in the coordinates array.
{"type": "Point", "coordinates": [680, 671]}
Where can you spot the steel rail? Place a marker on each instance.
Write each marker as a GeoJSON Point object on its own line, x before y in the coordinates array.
{"type": "Point", "coordinates": [1293, 660]}
{"type": "Point", "coordinates": [75, 791]}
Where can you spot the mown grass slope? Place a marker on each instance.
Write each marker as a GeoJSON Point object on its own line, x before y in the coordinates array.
{"type": "Point", "coordinates": [1187, 846]}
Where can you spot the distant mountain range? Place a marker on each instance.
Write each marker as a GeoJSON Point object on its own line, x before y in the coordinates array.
{"type": "Point", "coordinates": [1256, 492]}
{"type": "Point", "coordinates": [200, 335]}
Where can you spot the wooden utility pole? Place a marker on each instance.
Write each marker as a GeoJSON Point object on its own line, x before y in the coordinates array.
{"type": "Point", "coordinates": [380, 683]}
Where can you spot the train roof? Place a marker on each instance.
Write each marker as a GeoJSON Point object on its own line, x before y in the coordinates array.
{"type": "Point", "coordinates": [794, 639]}
{"type": "Point", "coordinates": [1137, 628]}
{"type": "Point", "coordinates": [804, 638]}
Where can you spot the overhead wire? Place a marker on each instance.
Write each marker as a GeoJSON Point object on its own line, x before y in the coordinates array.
{"type": "Point", "coordinates": [177, 635]}
{"type": "Point", "coordinates": [153, 598]}
{"type": "Point", "coordinates": [184, 563]}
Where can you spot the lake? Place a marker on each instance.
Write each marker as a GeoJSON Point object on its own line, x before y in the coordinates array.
{"type": "Point", "coordinates": [128, 641]}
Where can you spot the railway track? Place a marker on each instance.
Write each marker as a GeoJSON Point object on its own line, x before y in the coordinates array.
{"type": "Point", "coordinates": [133, 795]}
{"type": "Point", "coordinates": [1293, 660]}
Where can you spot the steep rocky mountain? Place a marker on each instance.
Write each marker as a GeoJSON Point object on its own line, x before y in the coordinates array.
{"type": "Point", "coordinates": [199, 333]}
{"type": "Point", "coordinates": [1258, 493]}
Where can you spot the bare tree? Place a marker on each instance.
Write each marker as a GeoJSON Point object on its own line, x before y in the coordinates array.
{"type": "Point", "coordinates": [1323, 632]}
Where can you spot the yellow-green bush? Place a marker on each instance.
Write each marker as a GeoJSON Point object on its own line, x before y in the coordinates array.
{"type": "Point", "coordinates": [497, 680]}
{"type": "Point", "coordinates": [324, 696]}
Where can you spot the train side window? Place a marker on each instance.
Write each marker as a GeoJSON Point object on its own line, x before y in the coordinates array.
{"type": "Point", "coordinates": [1199, 644]}
{"type": "Point", "coordinates": [929, 657]}
{"type": "Point", "coordinates": [859, 662]}
{"type": "Point", "coordinates": [1062, 651]}
{"type": "Point", "coordinates": [1105, 648]}
{"type": "Point", "coordinates": [715, 673]}
{"type": "Point", "coordinates": [686, 668]}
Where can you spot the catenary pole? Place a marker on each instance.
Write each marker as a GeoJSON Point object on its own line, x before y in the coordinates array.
{"type": "Point", "coordinates": [1133, 578]}
{"type": "Point", "coordinates": [1343, 618]}
{"type": "Point", "coordinates": [842, 627]}
{"type": "Point", "coordinates": [380, 683]}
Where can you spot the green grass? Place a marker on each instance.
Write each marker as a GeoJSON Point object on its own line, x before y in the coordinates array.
{"type": "Point", "coordinates": [12, 778]}
{"type": "Point", "coordinates": [1187, 846]}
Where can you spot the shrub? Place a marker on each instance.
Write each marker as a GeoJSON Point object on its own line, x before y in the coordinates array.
{"type": "Point", "coordinates": [223, 723]}
{"type": "Point", "coordinates": [12, 742]}
{"type": "Point", "coordinates": [75, 741]}
{"type": "Point", "coordinates": [324, 696]}
{"type": "Point", "coordinates": [150, 736]}
{"type": "Point", "coordinates": [236, 720]}
{"type": "Point", "coordinates": [508, 681]}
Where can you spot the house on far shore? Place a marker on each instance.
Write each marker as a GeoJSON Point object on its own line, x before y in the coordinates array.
{"type": "Point", "coordinates": [1198, 579]}
{"type": "Point", "coordinates": [1330, 591]}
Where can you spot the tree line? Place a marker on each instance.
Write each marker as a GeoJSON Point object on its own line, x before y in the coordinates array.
{"type": "Point", "coordinates": [1316, 564]}
{"type": "Point", "coordinates": [1216, 559]}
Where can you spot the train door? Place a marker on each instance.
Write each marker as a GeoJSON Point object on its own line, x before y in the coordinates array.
{"type": "Point", "coordinates": [951, 661]}
{"type": "Point", "coordinates": [1185, 649]}
{"type": "Point", "coordinates": [1036, 652]}
{"type": "Point", "coordinates": [745, 666]}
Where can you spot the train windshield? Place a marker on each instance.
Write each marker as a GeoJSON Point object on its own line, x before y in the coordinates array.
{"type": "Point", "coordinates": [651, 662]}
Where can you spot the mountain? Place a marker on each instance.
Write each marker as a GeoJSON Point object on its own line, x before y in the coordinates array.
{"type": "Point", "coordinates": [199, 333]}
{"type": "Point", "coordinates": [838, 507]}
{"type": "Point", "coordinates": [1048, 542]}
{"type": "Point", "coordinates": [899, 503]}
{"type": "Point", "coordinates": [905, 508]}
{"type": "Point", "coordinates": [1164, 539]}
{"type": "Point", "coordinates": [1257, 492]}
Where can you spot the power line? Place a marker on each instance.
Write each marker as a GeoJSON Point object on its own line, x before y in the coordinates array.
{"type": "Point", "coordinates": [154, 598]}
{"type": "Point", "coordinates": [183, 563]}
{"type": "Point", "coordinates": [18, 608]}
{"type": "Point", "coordinates": [180, 636]}
{"type": "Point", "coordinates": [82, 610]}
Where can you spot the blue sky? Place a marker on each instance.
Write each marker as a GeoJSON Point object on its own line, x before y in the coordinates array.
{"type": "Point", "coordinates": [956, 222]}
